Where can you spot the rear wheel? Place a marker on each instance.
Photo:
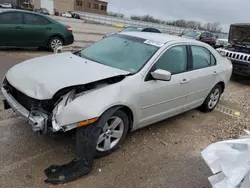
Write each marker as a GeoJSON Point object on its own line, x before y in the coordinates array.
{"type": "Point", "coordinates": [114, 131]}
{"type": "Point", "coordinates": [212, 99]}
{"type": "Point", "coordinates": [54, 43]}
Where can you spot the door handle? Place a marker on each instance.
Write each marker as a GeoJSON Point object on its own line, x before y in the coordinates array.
{"type": "Point", "coordinates": [184, 81]}
{"type": "Point", "coordinates": [48, 28]}
{"type": "Point", "coordinates": [215, 73]}
{"type": "Point", "coordinates": [18, 27]}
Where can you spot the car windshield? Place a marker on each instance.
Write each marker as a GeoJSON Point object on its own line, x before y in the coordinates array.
{"type": "Point", "coordinates": [192, 34]}
{"type": "Point", "coordinates": [121, 52]}
{"type": "Point", "coordinates": [131, 29]}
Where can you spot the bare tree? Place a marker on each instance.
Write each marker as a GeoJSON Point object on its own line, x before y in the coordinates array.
{"type": "Point", "coordinates": [116, 14]}
{"type": "Point", "coordinates": [213, 27]}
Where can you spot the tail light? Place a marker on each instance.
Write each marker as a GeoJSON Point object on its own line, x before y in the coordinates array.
{"type": "Point", "coordinates": [69, 29]}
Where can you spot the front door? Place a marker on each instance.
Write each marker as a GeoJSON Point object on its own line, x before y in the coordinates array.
{"type": "Point", "coordinates": [37, 29]}
{"type": "Point", "coordinates": [11, 29]}
{"type": "Point", "coordinates": [202, 77]}
{"type": "Point", "coordinates": [162, 99]}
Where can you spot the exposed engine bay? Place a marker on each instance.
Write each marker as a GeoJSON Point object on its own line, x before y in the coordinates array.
{"type": "Point", "coordinates": [50, 109]}
{"type": "Point", "coordinates": [238, 50]}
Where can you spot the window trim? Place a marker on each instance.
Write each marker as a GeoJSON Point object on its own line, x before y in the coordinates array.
{"type": "Point", "coordinates": [12, 12]}
{"type": "Point", "coordinates": [23, 15]}
{"type": "Point", "coordinates": [149, 77]}
{"type": "Point", "coordinates": [79, 3]}
{"type": "Point", "coordinates": [96, 6]}
{"type": "Point", "coordinates": [191, 57]}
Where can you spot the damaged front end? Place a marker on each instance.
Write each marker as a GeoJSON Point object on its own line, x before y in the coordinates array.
{"type": "Point", "coordinates": [45, 115]}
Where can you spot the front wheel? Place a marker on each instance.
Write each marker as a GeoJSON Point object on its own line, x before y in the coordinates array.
{"type": "Point", "coordinates": [114, 131]}
{"type": "Point", "coordinates": [212, 99]}
{"type": "Point", "coordinates": [54, 43]}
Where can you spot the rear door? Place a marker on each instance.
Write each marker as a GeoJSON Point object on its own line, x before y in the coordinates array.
{"type": "Point", "coordinates": [37, 29]}
{"type": "Point", "coordinates": [11, 28]}
{"type": "Point", "coordinates": [202, 77]}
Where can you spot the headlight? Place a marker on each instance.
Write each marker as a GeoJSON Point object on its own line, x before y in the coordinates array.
{"type": "Point", "coordinates": [222, 53]}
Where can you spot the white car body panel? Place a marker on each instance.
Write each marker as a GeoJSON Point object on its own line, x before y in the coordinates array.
{"type": "Point", "coordinates": [5, 5]}
{"type": "Point", "coordinates": [149, 101]}
{"type": "Point", "coordinates": [67, 15]}
{"type": "Point", "coordinates": [222, 42]}
{"type": "Point", "coordinates": [48, 74]}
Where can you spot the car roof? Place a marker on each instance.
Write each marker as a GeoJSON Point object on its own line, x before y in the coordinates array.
{"type": "Point", "coordinates": [17, 10]}
{"type": "Point", "coordinates": [159, 37]}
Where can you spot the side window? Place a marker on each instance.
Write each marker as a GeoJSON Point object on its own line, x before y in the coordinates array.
{"type": "Point", "coordinates": [33, 19]}
{"type": "Point", "coordinates": [204, 35]}
{"type": "Point", "coordinates": [210, 35]}
{"type": "Point", "coordinates": [173, 60]}
{"type": "Point", "coordinates": [202, 57]}
{"type": "Point", "coordinates": [11, 18]}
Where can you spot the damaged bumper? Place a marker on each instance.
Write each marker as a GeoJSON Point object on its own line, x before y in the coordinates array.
{"type": "Point", "coordinates": [36, 119]}
{"type": "Point", "coordinates": [39, 120]}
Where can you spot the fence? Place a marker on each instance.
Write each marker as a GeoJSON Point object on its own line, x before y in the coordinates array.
{"type": "Point", "coordinates": [110, 20]}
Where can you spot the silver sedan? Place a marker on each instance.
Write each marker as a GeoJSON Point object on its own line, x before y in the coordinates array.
{"type": "Point", "coordinates": [123, 82]}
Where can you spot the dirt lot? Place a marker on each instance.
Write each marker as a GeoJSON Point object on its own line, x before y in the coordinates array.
{"type": "Point", "coordinates": [166, 154]}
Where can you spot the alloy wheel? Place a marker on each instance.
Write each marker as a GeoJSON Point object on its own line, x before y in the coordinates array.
{"type": "Point", "coordinates": [214, 98]}
{"type": "Point", "coordinates": [56, 43]}
{"type": "Point", "coordinates": [111, 134]}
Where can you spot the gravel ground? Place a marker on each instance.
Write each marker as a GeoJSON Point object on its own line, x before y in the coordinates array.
{"type": "Point", "coordinates": [166, 154]}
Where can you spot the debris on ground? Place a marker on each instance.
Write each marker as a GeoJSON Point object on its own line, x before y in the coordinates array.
{"type": "Point", "coordinates": [229, 161]}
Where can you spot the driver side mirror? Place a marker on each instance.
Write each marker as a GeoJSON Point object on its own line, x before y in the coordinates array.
{"type": "Point", "coordinates": [162, 75]}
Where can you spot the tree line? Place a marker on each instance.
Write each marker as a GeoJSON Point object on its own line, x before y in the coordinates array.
{"type": "Point", "coordinates": [210, 26]}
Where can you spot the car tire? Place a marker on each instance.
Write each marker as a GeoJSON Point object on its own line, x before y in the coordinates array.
{"type": "Point", "coordinates": [107, 137]}
{"type": "Point", "coordinates": [54, 42]}
{"type": "Point", "coordinates": [212, 99]}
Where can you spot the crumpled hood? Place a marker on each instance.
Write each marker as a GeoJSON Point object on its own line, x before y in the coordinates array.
{"type": "Point", "coordinates": [239, 34]}
{"type": "Point", "coordinates": [42, 77]}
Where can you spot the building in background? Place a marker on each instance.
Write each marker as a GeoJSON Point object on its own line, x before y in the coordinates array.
{"type": "Point", "coordinates": [48, 4]}
{"type": "Point", "coordinates": [92, 6]}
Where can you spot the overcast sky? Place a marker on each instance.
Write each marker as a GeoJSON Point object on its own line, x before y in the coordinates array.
{"type": "Point", "coordinates": [224, 11]}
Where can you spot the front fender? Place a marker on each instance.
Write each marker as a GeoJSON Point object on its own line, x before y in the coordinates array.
{"type": "Point", "coordinates": [91, 105]}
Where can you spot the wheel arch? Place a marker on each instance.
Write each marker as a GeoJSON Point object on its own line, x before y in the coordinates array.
{"type": "Point", "coordinates": [222, 84]}
{"type": "Point", "coordinates": [126, 110]}
{"type": "Point", "coordinates": [56, 35]}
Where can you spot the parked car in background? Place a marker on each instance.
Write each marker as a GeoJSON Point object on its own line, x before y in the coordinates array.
{"type": "Point", "coordinates": [208, 38]}
{"type": "Point", "coordinates": [5, 5]}
{"type": "Point", "coordinates": [220, 42]}
{"type": "Point", "coordinates": [191, 34]}
{"type": "Point", "coordinates": [127, 81]}
{"type": "Point", "coordinates": [26, 5]}
{"type": "Point", "coordinates": [203, 36]}
{"type": "Point", "coordinates": [25, 28]}
{"type": "Point", "coordinates": [74, 15]}
{"type": "Point", "coordinates": [238, 50]}
{"type": "Point", "coordinates": [42, 11]}
{"type": "Point", "coordinates": [67, 15]}
{"type": "Point", "coordinates": [129, 29]}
